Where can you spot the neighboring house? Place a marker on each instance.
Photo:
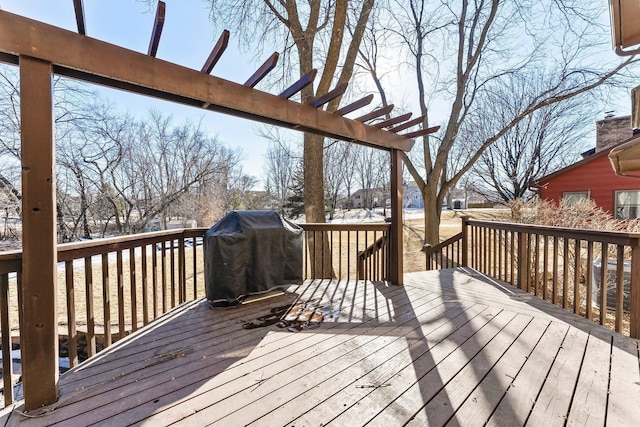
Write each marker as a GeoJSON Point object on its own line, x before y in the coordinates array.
{"type": "Point", "coordinates": [594, 178]}
{"type": "Point", "coordinates": [411, 195]}
{"type": "Point", "coordinates": [368, 198]}
{"type": "Point", "coordinates": [464, 198]}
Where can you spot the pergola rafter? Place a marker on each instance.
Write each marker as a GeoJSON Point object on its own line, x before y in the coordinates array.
{"type": "Point", "coordinates": [41, 50]}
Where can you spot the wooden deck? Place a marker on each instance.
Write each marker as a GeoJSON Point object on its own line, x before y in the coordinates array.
{"type": "Point", "coordinates": [450, 347]}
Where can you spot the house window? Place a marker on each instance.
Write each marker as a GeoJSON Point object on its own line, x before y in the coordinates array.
{"type": "Point", "coordinates": [627, 204]}
{"type": "Point", "coordinates": [573, 197]}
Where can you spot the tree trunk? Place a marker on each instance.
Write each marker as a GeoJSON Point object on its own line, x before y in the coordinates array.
{"type": "Point", "coordinates": [432, 214]}
{"type": "Point", "coordinates": [314, 205]}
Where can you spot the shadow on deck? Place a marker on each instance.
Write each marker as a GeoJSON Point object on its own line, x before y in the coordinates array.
{"type": "Point", "coordinates": [450, 347]}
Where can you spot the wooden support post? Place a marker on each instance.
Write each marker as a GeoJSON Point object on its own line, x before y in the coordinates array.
{"type": "Point", "coordinates": [465, 241]}
{"type": "Point", "coordinates": [635, 290]}
{"type": "Point", "coordinates": [396, 254]}
{"type": "Point", "coordinates": [39, 336]}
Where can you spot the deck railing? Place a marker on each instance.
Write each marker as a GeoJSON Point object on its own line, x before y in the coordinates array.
{"type": "Point", "coordinates": [354, 251]}
{"type": "Point", "coordinates": [110, 287]}
{"type": "Point", "coordinates": [595, 274]}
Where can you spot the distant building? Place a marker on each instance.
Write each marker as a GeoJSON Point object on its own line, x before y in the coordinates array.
{"type": "Point", "coordinates": [594, 178]}
{"type": "Point", "coordinates": [411, 195]}
{"type": "Point", "coordinates": [368, 198]}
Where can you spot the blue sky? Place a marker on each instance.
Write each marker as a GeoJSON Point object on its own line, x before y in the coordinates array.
{"type": "Point", "coordinates": [187, 40]}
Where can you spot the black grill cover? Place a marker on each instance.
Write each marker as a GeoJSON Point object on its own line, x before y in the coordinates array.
{"type": "Point", "coordinates": [250, 251]}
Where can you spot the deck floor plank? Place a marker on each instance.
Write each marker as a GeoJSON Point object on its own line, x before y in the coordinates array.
{"type": "Point", "coordinates": [589, 404]}
{"type": "Point", "coordinates": [322, 367]}
{"type": "Point", "coordinates": [426, 377]}
{"type": "Point", "coordinates": [175, 377]}
{"type": "Point", "coordinates": [516, 404]}
{"type": "Point", "coordinates": [326, 404]}
{"type": "Point", "coordinates": [485, 398]}
{"type": "Point", "coordinates": [624, 385]}
{"type": "Point", "coordinates": [442, 407]}
{"type": "Point", "coordinates": [451, 346]}
{"type": "Point", "coordinates": [552, 405]}
{"type": "Point", "coordinates": [324, 349]}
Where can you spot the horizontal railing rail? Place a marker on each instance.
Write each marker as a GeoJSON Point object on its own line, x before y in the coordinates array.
{"type": "Point", "coordinates": [594, 273]}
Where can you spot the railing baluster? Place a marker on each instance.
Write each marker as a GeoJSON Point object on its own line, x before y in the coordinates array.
{"type": "Point", "coordinates": [195, 270]}
{"type": "Point", "coordinates": [619, 287]}
{"type": "Point", "coordinates": [88, 282]}
{"type": "Point", "coordinates": [163, 274]}
{"type": "Point", "coordinates": [565, 274]}
{"type": "Point", "coordinates": [172, 270]}
{"type": "Point", "coordinates": [536, 266]}
{"type": "Point", "coordinates": [182, 283]}
{"type": "Point", "coordinates": [154, 278]}
{"type": "Point", "coordinates": [145, 291]}
{"type": "Point", "coordinates": [133, 289]}
{"type": "Point", "coordinates": [120, 281]}
{"type": "Point", "coordinates": [528, 264]}
{"type": "Point", "coordinates": [545, 268]}
{"type": "Point", "coordinates": [106, 300]}
{"type": "Point", "coordinates": [7, 359]}
{"type": "Point", "coordinates": [576, 278]}
{"type": "Point", "coordinates": [604, 265]}
{"type": "Point", "coordinates": [72, 333]}
{"type": "Point", "coordinates": [554, 289]}
{"type": "Point", "coordinates": [589, 281]}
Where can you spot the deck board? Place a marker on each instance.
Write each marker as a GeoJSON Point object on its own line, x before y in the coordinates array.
{"type": "Point", "coordinates": [450, 347]}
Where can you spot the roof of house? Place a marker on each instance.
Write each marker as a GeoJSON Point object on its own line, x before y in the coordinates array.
{"type": "Point", "coordinates": [585, 160]}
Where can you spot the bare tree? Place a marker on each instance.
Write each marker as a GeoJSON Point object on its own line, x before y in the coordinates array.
{"type": "Point", "coordinates": [279, 169]}
{"type": "Point", "coordinates": [465, 53]}
{"type": "Point", "coordinates": [545, 140]}
{"type": "Point", "coordinates": [317, 31]}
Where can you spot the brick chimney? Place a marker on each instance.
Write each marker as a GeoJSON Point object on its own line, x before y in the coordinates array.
{"type": "Point", "coordinates": [612, 131]}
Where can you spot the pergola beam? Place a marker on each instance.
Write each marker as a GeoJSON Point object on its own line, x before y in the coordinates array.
{"type": "Point", "coordinates": [95, 61]}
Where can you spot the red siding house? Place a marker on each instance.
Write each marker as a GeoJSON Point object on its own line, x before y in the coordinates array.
{"type": "Point", "coordinates": [593, 176]}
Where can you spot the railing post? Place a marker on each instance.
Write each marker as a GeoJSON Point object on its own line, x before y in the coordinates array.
{"type": "Point", "coordinates": [39, 338]}
{"type": "Point", "coordinates": [635, 289]}
{"type": "Point", "coordinates": [465, 241]}
{"type": "Point", "coordinates": [522, 260]}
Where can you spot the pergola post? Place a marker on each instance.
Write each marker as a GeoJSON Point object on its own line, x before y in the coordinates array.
{"type": "Point", "coordinates": [396, 252]}
{"type": "Point", "coordinates": [39, 336]}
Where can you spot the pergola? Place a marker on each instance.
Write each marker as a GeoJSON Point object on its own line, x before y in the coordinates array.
{"type": "Point", "coordinates": [41, 50]}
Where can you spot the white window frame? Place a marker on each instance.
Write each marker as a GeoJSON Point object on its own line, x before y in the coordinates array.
{"type": "Point", "coordinates": [625, 211]}
{"type": "Point", "coordinates": [567, 195]}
